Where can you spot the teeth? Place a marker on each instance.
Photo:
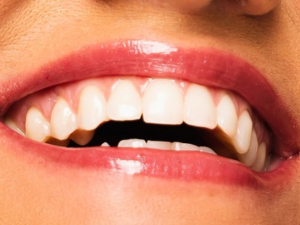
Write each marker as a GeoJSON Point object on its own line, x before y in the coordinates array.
{"type": "Point", "coordinates": [243, 135]}
{"type": "Point", "coordinates": [91, 108]}
{"type": "Point", "coordinates": [82, 137]}
{"type": "Point", "coordinates": [267, 163]}
{"type": "Point", "coordinates": [163, 103]}
{"type": "Point", "coordinates": [160, 101]}
{"type": "Point", "coordinates": [163, 145]}
{"type": "Point", "coordinates": [134, 143]}
{"type": "Point", "coordinates": [184, 146]}
{"type": "Point", "coordinates": [63, 120]}
{"type": "Point", "coordinates": [249, 157]}
{"type": "Point", "coordinates": [199, 107]}
{"type": "Point", "coordinates": [260, 158]}
{"type": "Point", "coordinates": [124, 102]}
{"type": "Point", "coordinates": [207, 150]}
{"type": "Point", "coordinates": [12, 125]}
{"type": "Point", "coordinates": [226, 116]}
{"type": "Point", "coordinates": [36, 126]}
{"type": "Point", "coordinates": [105, 144]}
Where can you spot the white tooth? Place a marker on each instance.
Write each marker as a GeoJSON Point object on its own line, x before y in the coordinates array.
{"type": "Point", "coordinates": [124, 102]}
{"type": "Point", "coordinates": [243, 135]}
{"type": "Point", "coordinates": [260, 158]}
{"type": "Point", "coordinates": [105, 144]}
{"type": "Point", "coordinates": [159, 145]}
{"type": "Point", "coordinates": [12, 125]}
{"type": "Point", "coordinates": [82, 137]}
{"type": "Point", "coordinates": [178, 146]}
{"type": "Point", "coordinates": [207, 150]}
{"type": "Point", "coordinates": [63, 120]}
{"type": "Point", "coordinates": [249, 157]}
{"type": "Point", "coordinates": [134, 143]}
{"type": "Point", "coordinates": [36, 125]}
{"type": "Point", "coordinates": [163, 102]}
{"type": "Point", "coordinates": [227, 116]}
{"type": "Point", "coordinates": [199, 107]}
{"type": "Point", "coordinates": [91, 108]}
{"type": "Point", "coordinates": [267, 163]}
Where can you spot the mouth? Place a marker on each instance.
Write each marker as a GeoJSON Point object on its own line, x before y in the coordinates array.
{"type": "Point", "coordinates": [148, 108]}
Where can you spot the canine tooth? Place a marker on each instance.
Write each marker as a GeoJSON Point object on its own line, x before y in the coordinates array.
{"type": "Point", "coordinates": [63, 120]}
{"type": "Point", "coordinates": [249, 157]}
{"type": "Point", "coordinates": [105, 144]}
{"type": "Point", "coordinates": [125, 102]}
{"type": "Point", "coordinates": [227, 116]}
{"type": "Point", "coordinates": [163, 102]}
{"type": "Point", "coordinates": [178, 146]}
{"type": "Point", "coordinates": [36, 125]}
{"type": "Point", "coordinates": [164, 145]}
{"type": "Point", "coordinates": [260, 158]}
{"type": "Point", "coordinates": [12, 125]}
{"type": "Point", "coordinates": [82, 137]}
{"type": "Point", "coordinates": [243, 135]}
{"type": "Point", "coordinates": [199, 107]}
{"type": "Point", "coordinates": [134, 143]}
{"type": "Point", "coordinates": [207, 150]}
{"type": "Point", "coordinates": [91, 108]}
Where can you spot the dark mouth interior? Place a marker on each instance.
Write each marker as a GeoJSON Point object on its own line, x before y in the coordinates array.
{"type": "Point", "coordinates": [113, 132]}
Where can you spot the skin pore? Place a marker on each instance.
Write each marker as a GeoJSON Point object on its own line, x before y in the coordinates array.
{"type": "Point", "coordinates": [36, 32]}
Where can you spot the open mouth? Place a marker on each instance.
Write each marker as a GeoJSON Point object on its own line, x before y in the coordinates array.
{"type": "Point", "coordinates": [176, 115]}
{"type": "Point", "coordinates": [216, 117]}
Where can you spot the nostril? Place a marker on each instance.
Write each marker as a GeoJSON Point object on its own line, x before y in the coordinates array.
{"type": "Point", "coordinates": [256, 7]}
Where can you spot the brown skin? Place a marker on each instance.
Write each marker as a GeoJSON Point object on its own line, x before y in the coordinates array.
{"type": "Point", "coordinates": [34, 32]}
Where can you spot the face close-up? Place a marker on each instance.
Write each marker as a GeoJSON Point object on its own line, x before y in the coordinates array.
{"type": "Point", "coordinates": [149, 112]}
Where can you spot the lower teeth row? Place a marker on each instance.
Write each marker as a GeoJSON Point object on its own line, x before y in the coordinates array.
{"type": "Point", "coordinates": [163, 145]}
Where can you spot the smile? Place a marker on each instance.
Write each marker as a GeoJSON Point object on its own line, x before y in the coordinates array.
{"type": "Point", "coordinates": [144, 107]}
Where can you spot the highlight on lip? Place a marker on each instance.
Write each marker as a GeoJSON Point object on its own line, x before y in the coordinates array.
{"type": "Point", "coordinates": [219, 121]}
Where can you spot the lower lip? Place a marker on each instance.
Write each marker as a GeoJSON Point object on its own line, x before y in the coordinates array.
{"type": "Point", "coordinates": [182, 165]}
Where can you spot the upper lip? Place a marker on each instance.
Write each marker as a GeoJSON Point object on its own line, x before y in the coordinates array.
{"type": "Point", "coordinates": [208, 67]}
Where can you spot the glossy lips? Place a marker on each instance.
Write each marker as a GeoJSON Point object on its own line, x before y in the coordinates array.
{"type": "Point", "coordinates": [153, 59]}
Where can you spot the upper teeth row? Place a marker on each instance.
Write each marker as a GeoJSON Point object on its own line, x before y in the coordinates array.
{"type": "Point", "coordinates": [161, 101]}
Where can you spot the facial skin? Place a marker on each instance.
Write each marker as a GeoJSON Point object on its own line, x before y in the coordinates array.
{"type": "Point", "coordinates": [33, 33]}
